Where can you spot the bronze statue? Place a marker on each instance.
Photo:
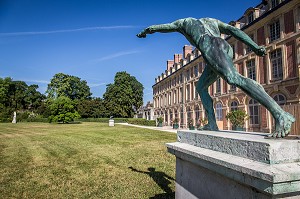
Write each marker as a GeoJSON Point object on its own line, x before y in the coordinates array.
{"type": "Point", "coordinates": [205, 35]}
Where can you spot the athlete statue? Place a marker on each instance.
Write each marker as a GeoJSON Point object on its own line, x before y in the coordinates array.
{"type": "Point", "coordinates": [205, 35]}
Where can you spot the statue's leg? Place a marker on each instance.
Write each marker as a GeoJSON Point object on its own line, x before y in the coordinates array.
{"type": "Point", "coordinates": [222, 64]}
{"type": "Point", "coordinates": [207, 78]}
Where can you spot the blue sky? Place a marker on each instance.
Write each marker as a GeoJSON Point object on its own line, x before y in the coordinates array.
{"type": "Point", "coordinates": [94, 39]}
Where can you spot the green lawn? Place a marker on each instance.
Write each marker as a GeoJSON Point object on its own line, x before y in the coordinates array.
{"type": "Point", "coordinates": [88, 160]}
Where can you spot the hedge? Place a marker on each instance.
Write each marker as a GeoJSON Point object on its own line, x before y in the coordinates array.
{"type": "Point", "coordinates": [143, 122]}
{"type": "Point", "coordinates": [137, 121]}
{"type": "Point", "coordinates": [102, 120]}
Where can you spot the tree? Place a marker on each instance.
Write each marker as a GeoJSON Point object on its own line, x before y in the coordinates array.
{"type": "Point", "coordinates": [124, 96]}
{"type": "Point", "coordinates": [68, 86]}
{"type": "Point", "coordinates": [91, 108]}
{"type": "Point", "coordinates": [33, 98]}
{"type": "Point", "coordinates": [62, 109]}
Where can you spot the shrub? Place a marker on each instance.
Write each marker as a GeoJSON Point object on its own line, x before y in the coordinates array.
{"type": "Point", "coordinates": [140, 121]}
{"type": "Point", "coordinates": [102, 120]}
{"type": "Point", "coordinates": [237, 118]}
{"type": "Point", "coordinates": [63, 110]}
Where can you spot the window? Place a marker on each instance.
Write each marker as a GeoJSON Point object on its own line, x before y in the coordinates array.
{"type": "Point", "coordinates": [181, 95]}
{"type": "Point", "coordinates": [248, 49]}
{"type": "Point", "coordinates": [219, 112]}
{"type": "Point", "coordinates": [189, 114]}
{"type": "Point", "coordinates": [181, 115]}
{"type": "Point", "coordinates": [188, 96]}
{"type": "Point", "coordinates": [250, 17]}
{"type": "Point", "coordinates": [197, 114]}
{"type": "Point", "coordinates": [276, 63]}
{"type": "Point", "coordinates": [251, 69]}
{"type": "Point", "coordinates": [180, 78]}
{"type": "Point", "coordinates": [218, 85]}
{"type": "Point", "coordinates": [234, 106]}
{"type": "Point", "coordinates": [196, 71]}
{"type": "Point", "coordinates": [233, 51]}
{"type": "Point", "coordinates": [274, 3]}
{"type": "Point", "coordinates": [195, 91]}
{"type": "Point", "coordinates": [174, 97]}
{"type": "Point", "coordinates": [188, 75]}
{"type": "Point", "coordinates": [274, 31]}
{"type": "Point", "coordinates": [280, 99]}
{"type": "Point", "coordinates": [253, 112]}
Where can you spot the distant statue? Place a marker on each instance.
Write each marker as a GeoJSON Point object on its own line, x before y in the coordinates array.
{"type": "Point", "coordinates": [205, 35]}
{"type": "Point", "coordinates": [14, 118]}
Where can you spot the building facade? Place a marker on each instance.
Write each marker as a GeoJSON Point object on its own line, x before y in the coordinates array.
{"type": "Point", "coordinates": [273, 24]}
{"type": "Point", "coordinates": [146, 112]}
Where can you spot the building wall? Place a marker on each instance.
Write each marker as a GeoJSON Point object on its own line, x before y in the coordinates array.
{"type": "Point", "coordinates": [278, 30]}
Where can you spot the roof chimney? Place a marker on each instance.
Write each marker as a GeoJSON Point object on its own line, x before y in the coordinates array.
{"type": "Point", "coordinates": [170, 64]}
{"type": "Point", "coordinates": [187, 50]}
{"type": "Point", "coordinates": [177, 58]}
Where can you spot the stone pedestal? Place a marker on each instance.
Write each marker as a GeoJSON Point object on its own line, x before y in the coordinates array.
{"type": "Point", "coordinates": [111, 122]}
{"type": "Point", "coordinates": [224, 164]}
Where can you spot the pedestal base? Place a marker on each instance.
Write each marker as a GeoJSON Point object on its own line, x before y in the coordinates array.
{"type": "Point", "coordinates": [233, 169]}
{"type": "Point", "coordinates": [111, 123]}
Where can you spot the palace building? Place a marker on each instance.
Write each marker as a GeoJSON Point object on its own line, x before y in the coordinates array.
{"type": "Point", "coordinates": [274, 24]}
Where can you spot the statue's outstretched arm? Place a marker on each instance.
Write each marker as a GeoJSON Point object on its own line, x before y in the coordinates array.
{"type": "Point", "coordinates": [163, 28]}
{"type": "Point", "coordinates": [240, 35]}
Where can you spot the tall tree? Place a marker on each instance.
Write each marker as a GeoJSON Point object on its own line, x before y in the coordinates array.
{"type": "Point", "coordinates": [69, 86]}
{"type": "Point", "coordinates": [91, 108]}
{"type": "Point", "coordinates": [124, 96]}
{"type": "Point", "coordinates": [33, 98]}
{"type": "Point", "coordinates": [62, 109]}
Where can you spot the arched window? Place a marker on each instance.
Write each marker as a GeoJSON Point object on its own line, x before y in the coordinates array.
{"type": "Point", "coordinates": [189, 113]}
{"type": "Point", "coordinates": [181, 115]}
{"type": "Point", "coordinates": [280, 99]}
{"type": "Point", "coordinates": [253, 111]}
{"type": "Point", "coordinates": [197, 114]}
{"type": "Point", "coordinates": [219, 113]}
{"type": "Point", "coordinates": [234, 106]}
{"type": "Point", "coordinates": [166, 116]}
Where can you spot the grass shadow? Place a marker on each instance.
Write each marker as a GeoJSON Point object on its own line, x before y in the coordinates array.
{"type": "Point", "coordinates": [161, 179]}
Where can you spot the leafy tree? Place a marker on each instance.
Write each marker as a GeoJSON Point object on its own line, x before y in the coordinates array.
{"type": "Point", "coordinates": [62, 109]}
{"type": "Point", "coordinates": [68, 86]}
{"type": "Point", "coordinates": [33, 98]}
{"type": "Point", "coordinates": [93, 108]}
{"type": "Point", "coordinates": [17, 96]}
{"type": "Point", "coordinates": [124, 96]}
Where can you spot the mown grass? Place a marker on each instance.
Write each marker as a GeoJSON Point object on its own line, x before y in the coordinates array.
{"type": "Point", "coordinates": [87, 160]}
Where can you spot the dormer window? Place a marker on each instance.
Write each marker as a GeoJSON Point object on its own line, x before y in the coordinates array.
{"type": "Point", "coordinates": [274, 3]}
{"type": "Point", "coordinates": [250, 17]}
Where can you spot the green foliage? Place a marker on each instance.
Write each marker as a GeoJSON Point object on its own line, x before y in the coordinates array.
{"type": "Point", "coordinates": [103, 120]}
{"type": "Point", "coordinates": [68, 86]}
{"type": "Point", "coordinates": [142, 122]}
{"type": "Point", "coordinates": [237, 118]}
{"type": "Point", "coordinates": [91, 108]}
{"type": "Point", "coordinates": [124, 96]}
{"type": "Point", "coordinates": [18, 96]}
{"type": "Point", "coordinates": [62, 110]}
{"type": "Point", "coordinates": [160, 119]}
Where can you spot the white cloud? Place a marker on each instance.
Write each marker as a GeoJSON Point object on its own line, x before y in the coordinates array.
{"type": "Point", "coordinates": [96, 85]}
{"type": "Point", "coordinates": [37, 81]}
{"type": "Point", "coordinates": [115, 55]}
{"type": "Point", "coordinates": [7, 34]}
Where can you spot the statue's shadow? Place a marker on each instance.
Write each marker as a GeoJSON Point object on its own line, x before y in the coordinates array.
{"type": "Point", "coordinates": [162, 180]}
